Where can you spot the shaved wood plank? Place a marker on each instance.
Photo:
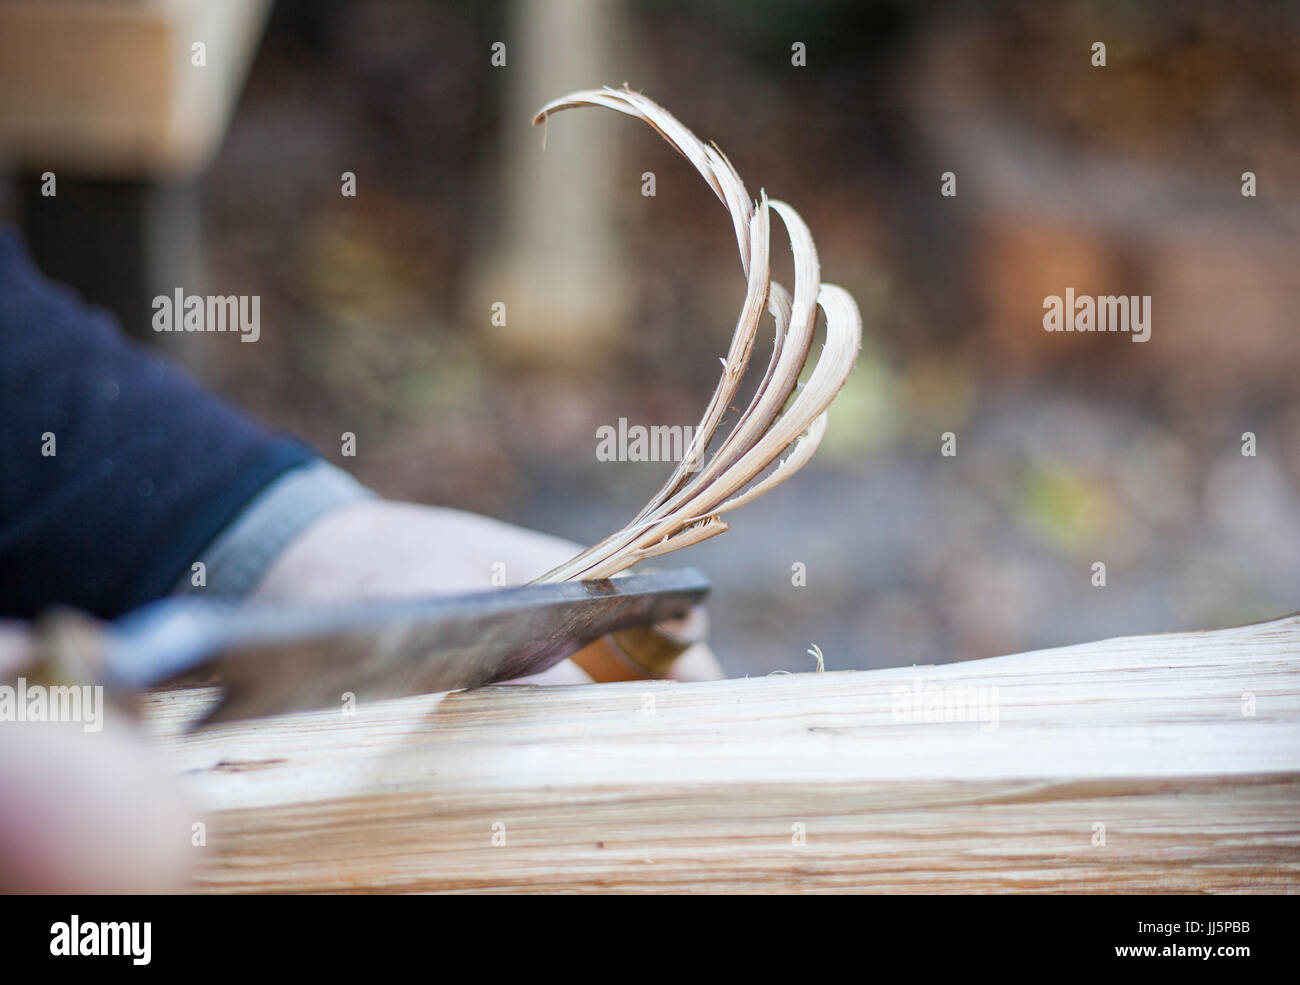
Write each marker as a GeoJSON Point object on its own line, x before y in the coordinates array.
{"type": "Point", "coordinates": [703, 787]}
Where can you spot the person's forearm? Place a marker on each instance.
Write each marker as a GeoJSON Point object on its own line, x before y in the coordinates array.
{"type": "Point", "coordinates": [117, 469]}
{"type": "Point", "coordinates": [236, 562]}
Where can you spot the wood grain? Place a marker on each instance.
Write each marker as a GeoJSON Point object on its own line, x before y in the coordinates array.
{"type": "Point", "coordinates": [1186, 747]}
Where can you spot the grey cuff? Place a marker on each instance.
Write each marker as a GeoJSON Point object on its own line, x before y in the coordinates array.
{"type": "Point", "coordinates": [238, 558]}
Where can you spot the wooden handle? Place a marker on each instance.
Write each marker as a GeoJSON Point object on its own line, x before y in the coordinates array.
{"type": "Point", "coordinates": [644, 652]}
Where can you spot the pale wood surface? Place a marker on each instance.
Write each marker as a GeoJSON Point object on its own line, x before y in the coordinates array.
{"type": "Point", "coordinates": [107, 87]}
{"type": "Point", "coordinates": [1150, 736]}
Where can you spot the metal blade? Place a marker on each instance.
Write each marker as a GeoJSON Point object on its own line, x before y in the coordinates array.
{"type": "Point", "coordinates": [273, 659]}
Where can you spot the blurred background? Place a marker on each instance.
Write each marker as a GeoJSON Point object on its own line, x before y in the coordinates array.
{"type": "Point", "coordinates": [377, 309]}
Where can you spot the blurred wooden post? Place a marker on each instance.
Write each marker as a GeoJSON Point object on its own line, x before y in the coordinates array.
{"type": "Point", "coordinates": [1145, 764]}
{"type": "Point", "coordinates": [106, 97]}
{"type": "Point", "coordinates": [554, 259]}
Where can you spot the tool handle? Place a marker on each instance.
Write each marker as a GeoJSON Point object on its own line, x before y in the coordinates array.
{"type": "Point", "coordinates": [643, 652]}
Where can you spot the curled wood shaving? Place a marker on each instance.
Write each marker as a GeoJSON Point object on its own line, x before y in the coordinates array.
{"type": "Point", "coordinates": [782, 416]}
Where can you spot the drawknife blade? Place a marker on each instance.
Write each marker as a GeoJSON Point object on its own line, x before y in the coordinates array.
{"type": "Point", "coordinates": [273, 659]}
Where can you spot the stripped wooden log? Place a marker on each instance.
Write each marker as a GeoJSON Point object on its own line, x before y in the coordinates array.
{"type": "Point", "coordinates": [1145, 764]}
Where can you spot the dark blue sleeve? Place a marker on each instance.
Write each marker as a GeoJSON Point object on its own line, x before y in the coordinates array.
{"type": "Point", "coordinates": [146, 469]}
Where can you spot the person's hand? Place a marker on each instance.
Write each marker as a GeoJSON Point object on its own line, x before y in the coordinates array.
{"type": "Point", "coordinates": [379, 549]}
{"type": "Point", "coordinates": [96, 812]}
